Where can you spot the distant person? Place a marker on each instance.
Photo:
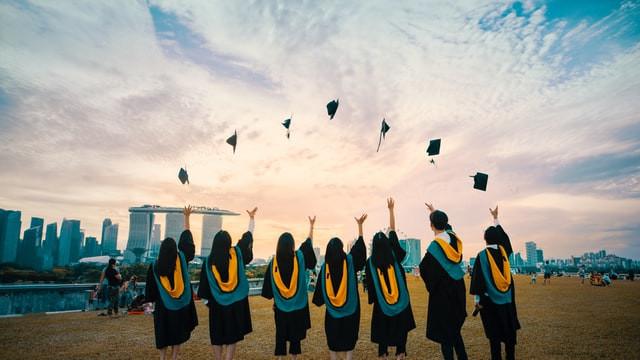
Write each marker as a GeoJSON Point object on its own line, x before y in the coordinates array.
{"type": "Point", "coordinates": [364, 281]}
{"type": "Point", "coordinates": [547, 274]}
{"type": "Point", "coordinates": [285, 282]}
{"type": "Point", "coordinates": [606, 279]}
{"type": "Point", "coordinates": [169, 287]}
{"type": "Point", "coordinates": [631, 275]}
{"type": "Point", "coordinates": [534, 276]}
{"type": "Point", "coordinates": [224, 285]}
{"type": "Point", "coordinates": [444, 279]}
{"type": "Point", "coordinates": [337, 289]}
{"type": "Point", "coordinates": [582, 274]}
{"type": "Point", "coordinates": [128, 291]}
{"type": "Point", "coordinates": [114, 279]}
{"type": "Point", "coordinates": [392, 317]}
{"type": "Point", "coordinates": [493, 289]}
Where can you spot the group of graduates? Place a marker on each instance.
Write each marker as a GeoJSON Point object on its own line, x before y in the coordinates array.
{"type": "Point", "coordinates": [225, 289]}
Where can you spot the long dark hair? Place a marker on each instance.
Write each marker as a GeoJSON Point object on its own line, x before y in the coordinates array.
{"type": "Point", "coordinates": [284, 251]}
{"type": "Point", "coordinates": [334, 254]}
{"type": "Point", "coordinates": [166, 262]}
{"type": "Point", "coordinates": [381, 252]}
{"type": "Point", "coordinates": [491, 235]}
{"type": "Point", "coordinates": [219, 255]}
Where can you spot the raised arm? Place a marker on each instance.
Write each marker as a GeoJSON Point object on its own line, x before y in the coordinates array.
{"type": "Point", "coordinates": [392, 217]}
{"type": "Point", "coordinates": [503, 240]}
{"type": "Point", "coordinates": [307, 247]}
{"type": "Point", "coordinates": [359, 250]}
{"type": "Point", "coordinates": [246, 242]}
{"type": "Point", "coordinates": [187, 212]}
{"type": "Point", "coordinates": [312, 222]}
{"type": "Point", "coordinates": [252, 221]}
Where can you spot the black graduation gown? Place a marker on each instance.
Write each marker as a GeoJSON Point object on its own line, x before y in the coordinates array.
{"type": "Point", "coordinates": [291, 326]}
{"type": "Point", "coordinates": [342, 333]}
{"type": "Point", "coordinates": [500, 322]}
{"type": "Point", "coordinates": [228, 324]}
{"type": "Point", "coordinates": [389, 330]}
{"type": "Point", "coordinates": [447, 307]}
{"type": "Point", "coordinates": [172, 327]}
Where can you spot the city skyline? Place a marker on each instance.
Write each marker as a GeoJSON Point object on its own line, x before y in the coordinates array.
{"type": "Point", "coordinates": [101, 104]}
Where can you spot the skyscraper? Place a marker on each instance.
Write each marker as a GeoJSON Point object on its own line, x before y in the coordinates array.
{"type": "Point", "coordinates": [155, 242]}
{"type": "Point", "coordinates": [413, 249]}
{"type": "Point", "coordinates": [211, 224]}
{"type": "Point", "coordinates": [28, 253]}
{"type": "Point", "coordinates": [539, 255]}
{"type": "Point", "coordinates": [69, 242]}
{"type": "Point", "coordinates": [10, 225]}
{"type": "Point", "coordinates": [38, 222]}
{"type": "Point", "coordinates": [173, 226]}
{"type": "Point", "coordinates": [140, 227]}
{"type": "Point", "coordinates": [50, 246]}
{"type": "Point", "coordinates": [91, 247]}
{"type": "Point", "coordinates": [110, 240]}
{"type": "Point", "coordinates": [532, 254]}
{"type": "Point", "coordinates": [105, 224]}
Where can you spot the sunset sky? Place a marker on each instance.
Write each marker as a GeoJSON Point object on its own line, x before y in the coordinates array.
{"type": "Point", "coordinates": [101, 103]}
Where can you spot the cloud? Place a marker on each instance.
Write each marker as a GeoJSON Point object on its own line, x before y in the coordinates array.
{"type": "Point", "coordinates": [103, 102]}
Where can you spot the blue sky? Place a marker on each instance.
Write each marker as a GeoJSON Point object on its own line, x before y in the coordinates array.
{"type": "Point", "coordinates": [102, 102]}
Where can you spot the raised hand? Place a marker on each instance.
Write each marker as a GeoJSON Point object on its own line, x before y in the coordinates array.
{"type": "Point", "coordinates": [494, 212]}
{"type": "Point", "coordinates": [312, 221]}
{"type": "Point", "coordinates": [252, 213]}
{"type": "Point", "coordinates": [188, 210]}
{"type": "Point", "coordinates": [360, 221]}
{"type": "Point", "coordinates": [390, 203]}
{"type": "Point", "coordinates": [392, 219]}
{"type": "Point", "coordinates": [430, 207]}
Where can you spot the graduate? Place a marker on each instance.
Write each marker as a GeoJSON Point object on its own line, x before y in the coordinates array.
{"type": "Point", "coordinates": [443, 277]}
{"type": "Point", "coordinates": [337, 289]}
{"type": "Point", "coordinates": [495, 297]}
{"type": "Point", "coordinates": [285, 281]}
{"type": "Point", "coordinates": [224, 285]}
{"type": "Point", "coordinates": [169, 287]}
{"type": "Point", "coordinates": [392, 317]}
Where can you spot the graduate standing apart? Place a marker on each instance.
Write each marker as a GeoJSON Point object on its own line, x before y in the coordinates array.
{"type": "Point", "coordinates": [443, 277]}
{"type": "Point", "coordinates": [224, 285]}
{"type": "Point", "coordinates": [392, 317]}
{"type": "Point", "coordinates": [169, 287]}
{"type": "Point", "coordinates": [285, 281]}
{"type": "Point", "coordinates": [337, 289]}
{"type": "Point", "coordinates": [495, 297]}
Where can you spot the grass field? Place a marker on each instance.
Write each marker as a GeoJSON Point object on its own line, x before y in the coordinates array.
{"type": "Point", "coordinates": [564, 320]}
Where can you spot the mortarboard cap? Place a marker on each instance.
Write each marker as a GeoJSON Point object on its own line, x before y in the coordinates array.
{"type": "Point", "coordinates": [332, 107]}
{"type": "Point", "coordinates": [434, 147]}
{"type": "Point", "coordinates": [287, 123]}
{"type": "Point", "coordinates": [383, 132]}
{"type": "Point", "coordinates": [480, 181]}
{"type": "Point", "coordinates": [183, 176]}
{"type": "Point", "coordinates": [233, 140]}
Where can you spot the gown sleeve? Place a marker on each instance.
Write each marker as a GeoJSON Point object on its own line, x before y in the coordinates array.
{"type": "Point", "coordinates": [246, 246]}
{"type": "Point", "coordinates": [371, 296]}
{"type": "Point", "coordinates": [318, 298]}
{"type": "Point", "coordinates": [477, 286]}
{"type": "Point", "coordinates": [267, 291]}
{"type": "Point", "coordinates": [359, 254]}
{"type": "Point", "coordinates": [395, 246]}
{"type": "Point", "coordinates": [504, 240]}
{"type": "Point", "coordinates": [431, 272]}
{"type": "Point", "coordinates": [186, 245]}
{"type": "Point", "coordinates": [203, 289]}
{"type": "Point", "coordinates": [150, 291]}
{"type": "Point", "coordinates": [309, 256]}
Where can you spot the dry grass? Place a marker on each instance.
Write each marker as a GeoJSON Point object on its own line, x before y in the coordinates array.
{"type": "Point", "coordinates": [561, 321]}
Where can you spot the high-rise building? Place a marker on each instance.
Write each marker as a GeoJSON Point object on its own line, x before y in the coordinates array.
{"type": "Point", "coordinates": [50, 246]}
{"type": "Point", "coordinates": [91, 247]}
{"type": "Point", "coordinates": [174, 225]}
{"type": "Point", "coordinates": [110, 240]}
{"type": "Point", "coordinates": [413, 249]}
{"type": "Point", "coordinates": [140, 227]}
{"type": "Point", "coordinates": [10, 225]}
{"type": "Point", "coordinates": [39, 223]}
{"type": "Point", "coordinates": [69, 242]}
{"type": "Point", "coordinates": [28, 252]}
{"type": "Point", "coordinates": [155, 242]}
{"type": "Point", "coordinates": [105, 224]}
{"type": "Point", "coordinates": [211, 224]}
{"type": "Point", "coordinates": [539, 255]}
{"type": "Point", "coordinates": [532, 254]}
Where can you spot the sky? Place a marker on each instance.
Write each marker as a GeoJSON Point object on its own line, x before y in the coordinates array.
{"type": "Point", "coordinates": [102, 102]}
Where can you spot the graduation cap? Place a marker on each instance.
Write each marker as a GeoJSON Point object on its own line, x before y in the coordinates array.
{"type": "Point", "coordinates": [434, 147]}
{"type": "Point", "coordinates": [480, 181]}
{"type": "Point", "coordinates": [183, 176]}
{"type": "Point", "coordinates": [287, 123]}
{"type": "Point", "coordinates": [383, 132]}
{"type": "Point", "coordinates": [332, 107]}
{"type": "Point", "coordinates": [233, 140]}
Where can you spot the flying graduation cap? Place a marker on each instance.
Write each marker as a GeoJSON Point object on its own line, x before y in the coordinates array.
{"type": "Point", "coordinates": [183, 176]}
{"type": "Point", "coordinates": [383, 132]}
{"type": "Point", "coordinates": [480, 181]}
{"type": "Point", "coordinates": [332, 107]}
{"type": "Point", "coordinates": [434, 147]}
{"type": "Point", "coordinates": [287, 123]}
{"type": "Point", "coordinates": [233, 140]}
